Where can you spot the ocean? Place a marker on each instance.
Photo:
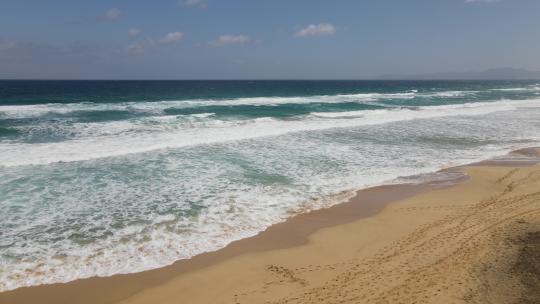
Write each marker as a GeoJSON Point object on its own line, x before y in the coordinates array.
{"type": "Point", "coordinates": [106, 177]}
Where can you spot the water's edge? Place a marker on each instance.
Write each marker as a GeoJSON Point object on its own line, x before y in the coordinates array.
{"type": "Point", "coordinates": [294, 231]}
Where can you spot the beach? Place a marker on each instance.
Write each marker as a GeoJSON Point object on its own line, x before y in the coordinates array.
{"type": "Point", "coordinates": [469, 240]}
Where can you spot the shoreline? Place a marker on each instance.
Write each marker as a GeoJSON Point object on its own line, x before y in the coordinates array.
{"type": "Point", "coordinates": [293, 233]}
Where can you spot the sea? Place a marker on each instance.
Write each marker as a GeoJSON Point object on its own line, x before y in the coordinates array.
{"type": "Point", "coordinates": [105, 177]}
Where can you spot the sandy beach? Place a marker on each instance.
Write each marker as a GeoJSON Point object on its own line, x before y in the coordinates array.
{"type": "Point", "coordinates": [475, 239]}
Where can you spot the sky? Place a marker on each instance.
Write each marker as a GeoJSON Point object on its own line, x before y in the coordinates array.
{"type": "Point", "coordinates": [264, 39]}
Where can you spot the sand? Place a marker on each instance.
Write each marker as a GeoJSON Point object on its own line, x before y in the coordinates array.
{"type": "Point", "coordinates": [477, 241]}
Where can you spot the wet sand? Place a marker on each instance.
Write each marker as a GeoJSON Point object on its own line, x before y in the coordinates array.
{"type": "Point", "coordinates": [461, 241]}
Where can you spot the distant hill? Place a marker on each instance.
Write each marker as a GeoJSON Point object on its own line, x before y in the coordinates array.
{"type": "Point", "coordinates": [498, 73]}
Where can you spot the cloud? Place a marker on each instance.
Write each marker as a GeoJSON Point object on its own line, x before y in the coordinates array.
{"type": "Point", "coordinates": [321, 29]}
{"type": "Point", "coordinates": [230, 39]}
{"type": "Point", "coordinates": [111, 14]}
{"type": "Point", "coordinates": [172, 37]}
{"type": "Point", "coordinates": [193, 3]}
{"type": "Point", "coordinates": [136, 48]}
{"type": "Point", "coordinates": [134, 32]}
{"type": "Point", "coordinates": [142, 45]}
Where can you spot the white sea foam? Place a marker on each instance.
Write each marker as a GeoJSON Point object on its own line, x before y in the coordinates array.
{"type": "Point", "coordinates": [446, 94]}
{"type": "Point", "coordinates": [21, 111]}
{"type": "Point", "coordinates": [121, 137]}
{"type": "Point", "coordinates": [348, 114]}
{"type": "Point", "coordinates": [157, 107]}
{"type": "Point", "coordinates": [203, 115]}
{"type": "Point", "coordinates": [529, 88]}
{"type": "Point", "coordinates": [238, 213]}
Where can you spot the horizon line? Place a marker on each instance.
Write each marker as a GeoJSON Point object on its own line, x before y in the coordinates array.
{"type": "Point", "coordinates": [269, 79]}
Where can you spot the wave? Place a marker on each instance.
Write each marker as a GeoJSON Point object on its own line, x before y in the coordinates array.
{"type": "Point", "coordinates": [348, 114]}
{"type": "Point", "coordinates": [161, 107]}
{"type": "Point", "coordinates": [448, 94]}
{"type": "Point", "coordinates": [20, 111]}
{"type": "Point", "coordinates": [119, 138]}
{"type": "Point", "coordinates": [529, 88]}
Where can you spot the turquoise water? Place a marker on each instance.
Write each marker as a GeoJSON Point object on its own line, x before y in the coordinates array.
{"type": "Point", "coordinates": [113, 177]}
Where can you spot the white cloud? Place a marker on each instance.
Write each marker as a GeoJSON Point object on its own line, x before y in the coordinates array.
{"type": "Point", "coordinates": [230, 39]}
{"type": "Point", "coordinates": [172, 37]}
{"type": "Point", "coordinates": [134, 32]}
{"type": "Point", "coordinates": [199, 3]}
{"type": "Point", "coordinates": [141, 46]}
{"type": "Point", "coordinates": [111, 14]}
{"type": "Point", "coordinates": [136, 48]}
{"type": "Point", "coordinates": [321, 29]}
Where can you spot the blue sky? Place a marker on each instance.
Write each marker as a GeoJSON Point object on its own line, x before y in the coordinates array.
{"type": "Point", "coordinates": [274, 39]}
